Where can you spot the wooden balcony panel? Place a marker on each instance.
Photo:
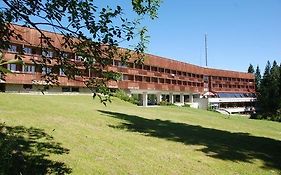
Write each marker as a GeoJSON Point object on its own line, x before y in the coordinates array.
{"type": "Point", "coordinates": [151, 74]}
{"type": "Point", "coordinates": [142, 72]}
{"type": "Point", "coordinates": [133, 71]}
{"type": "Point", "coordinates": [122, 85]}
{"type": "Point", "coordinates": [158, 74]}
{"type": "Point", "coordinates": [64, 81]}
{"type": "Point", "coordinates": [165, 87]}
{"type": "Point", "coordinates": [111, 68]}
{"type": "Point", "coordinates": [158, 86]}
{"type": "Point", "coordinates": [133, 85]}
{"type": "Point", "coordinates": [22, 78]}
{"type": "Point", "coordinates": [112, 84]}
{"type": "Point", "coordinates": [164, 76]}
{"type": "Point", "coordinates": [150, 86]}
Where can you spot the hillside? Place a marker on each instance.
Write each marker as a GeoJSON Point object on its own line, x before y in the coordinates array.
{"type": "Point", "coordinates": [48, 134]}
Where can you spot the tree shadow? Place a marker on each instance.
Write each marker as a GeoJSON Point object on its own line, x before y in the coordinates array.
{"type": "Point", "coordinates": [218, 144]}
{"type": "Point", "coordinates": [26, 151]}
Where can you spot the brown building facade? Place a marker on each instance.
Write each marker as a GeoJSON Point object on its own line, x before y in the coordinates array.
{"type": "Point", "coordinates": [157, 75]}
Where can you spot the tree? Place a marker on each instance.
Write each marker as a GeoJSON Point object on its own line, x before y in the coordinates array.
{"type": "Point", "coordinates": [251, 69]}
{"type": "Point", "coordinates": [4, 70]}
{"type": "Point", "coordinates": [258, 78]}
{"type": "Point", "coordinates": [264, 96]}
{"type": "Point", "coordinates": [269, 101]}
{"type": "Point", "coordinates": [89, 31]}
{"type": "Point", "coordinates": [273, 88]}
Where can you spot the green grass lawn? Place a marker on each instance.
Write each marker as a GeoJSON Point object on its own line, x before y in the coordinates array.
{"type": "Point", "coordinates": [78, 135]}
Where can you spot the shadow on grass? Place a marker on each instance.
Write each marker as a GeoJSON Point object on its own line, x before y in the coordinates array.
{"type": "Point", "coordinates": [26, 151]}
{"type": "Point", "coordinates": [219, 144]}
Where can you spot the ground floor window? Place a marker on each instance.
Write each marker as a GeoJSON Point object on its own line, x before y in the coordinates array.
{"type": "Point", "coordinates": [2, 87]}
{"type": "Point", "coordinates": [75, 89]}
{"type": "Point", "coordinates": [65, 89]}
{"type": "Point", "coordinates": [27, 86]}
{"type": "Point", "coordinates": [70, 89]}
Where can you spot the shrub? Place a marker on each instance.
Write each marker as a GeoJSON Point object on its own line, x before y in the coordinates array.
{"type": "Point", "coordinates": [124, 96]}
{"type": "Point", "coordinates": [186, 105]}
{"type": "Point", "coordinates": [165, 103]}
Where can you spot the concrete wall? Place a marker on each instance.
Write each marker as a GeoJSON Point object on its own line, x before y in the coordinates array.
{"type": "Point", "coordinates": [202, 102]}
{"type": "Point", "coordinates": [18, 88]}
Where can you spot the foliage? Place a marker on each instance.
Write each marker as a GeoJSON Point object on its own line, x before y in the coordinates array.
{"type": "Point", "coordinates": [3, 63]}
{"type": "Point", "coordinates": [269, 93]}
{"type": "Point", "coordinates": [251, 69]}
{"type": "Point", "coordinates": [186, 105]}
{"type": "Point", "coordinates": [92, 32]}
{"type": "Point", "coordinates": [124, 96]}
{"type": "Point", "coordinates": [165, 103]}
{"type": "Point", "coordinates": [258, 78]}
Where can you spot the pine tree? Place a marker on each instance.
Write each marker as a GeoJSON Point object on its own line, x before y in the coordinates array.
{"type": "Point", "coordinates": [273, 88]}
{"type": "Point", "coordinates": [258, 78]}
{"type": "Point", "coordinates": [251, 69]}
{"type": "Point", "coordinates": [263, 96]}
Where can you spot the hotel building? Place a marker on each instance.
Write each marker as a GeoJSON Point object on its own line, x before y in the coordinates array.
{"type": "Point", "coordinates": [155, 80]}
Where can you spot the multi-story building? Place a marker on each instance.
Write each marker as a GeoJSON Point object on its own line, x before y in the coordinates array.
{"type": "Point", "coordinates": [162, 78]}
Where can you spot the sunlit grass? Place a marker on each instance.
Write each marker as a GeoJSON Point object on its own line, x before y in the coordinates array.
{"type": "Point", "coordinates": [121, 138]}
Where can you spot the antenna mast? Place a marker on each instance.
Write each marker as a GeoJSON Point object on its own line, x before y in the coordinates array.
{"type": "Point", "coordinates": [206, 50]}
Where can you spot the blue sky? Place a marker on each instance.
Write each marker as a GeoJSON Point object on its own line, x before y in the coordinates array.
{"type": "Point", "coordinates": [239, 32]}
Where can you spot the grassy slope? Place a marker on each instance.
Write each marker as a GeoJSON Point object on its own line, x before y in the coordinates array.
{"type": "Point", "coordinates": [124, 139]}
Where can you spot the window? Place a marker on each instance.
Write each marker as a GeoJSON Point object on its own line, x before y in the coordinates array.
{"type": "Point", "coordinates": [65, 55]}
{"type": "Point", "coordinates": [179, 73]}
{"type": "Point", "coordinates": [27, 50]}
{"type": "Point", "coordinates": [46, 70]}
{"type": "Point", "coordinates": [206, 79]}
{"type": "Point", "coordinates": [65, 89]}
{"type": "Point", "coordinates": [12, 67]}
{"type": "Point", "coordinates": [147, 79]}
{"type": "Point", "coordinates": [168, 81]}
{"type": "Point", "coordinates": [27, 86]}
{"type": "Point", "coordinates": [146, 67]}
{"type": "Point", "coordinates": [62, 72]}
{"type": "Point", "coordinates": [28, 68]}
{"type": "Point", "coordinates": [155, 69]}
{"type": "Point", "coordinates": [124, 77]}
{"type": "Point", "coordinates": [79, 58]}
{"type": "Point", "coordinates": [75, 89]}
{"type": "Point", "coordinates": [48, 53]}
{"type": "Point", "coordinates": [167, 71]}
{"type": "Point", "coordinates": [154, 79]}
{"type": "Point", "coordinates": [12, 48]}
{"type": "Point", "coordinates": [138, 78]}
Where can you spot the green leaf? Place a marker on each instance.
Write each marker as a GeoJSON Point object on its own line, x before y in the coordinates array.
{"type": "Point", "coordinates": [4, 70]}
{"type": "Point", "coordinates": [12, 62]}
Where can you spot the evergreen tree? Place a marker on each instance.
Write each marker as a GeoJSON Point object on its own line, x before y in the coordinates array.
{"type": "Point", "coordinates": [264, 96]}
{"type": "Point", "coordinates": [251, 69]}
{"type": "Point", "coordinates": [273, 89]}
{"type": "Point", "coordinates": [258, 78]}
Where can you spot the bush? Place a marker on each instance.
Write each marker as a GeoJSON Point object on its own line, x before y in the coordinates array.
{"type": "Point", "coordinates": [124, 96]}
{"type": "Point", "coordinates": [165, 103]}
{"type": "Point", "coordinates": [266, 117]}
{"type": "Point", "coordinates": [186, 105]}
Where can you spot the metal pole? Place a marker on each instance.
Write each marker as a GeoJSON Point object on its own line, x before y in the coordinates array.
{"type": "Point", "coordinates": [206, 51]}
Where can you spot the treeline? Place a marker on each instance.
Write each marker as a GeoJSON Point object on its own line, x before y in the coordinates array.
{"type": "Point", "coordinates": [268, 89]}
